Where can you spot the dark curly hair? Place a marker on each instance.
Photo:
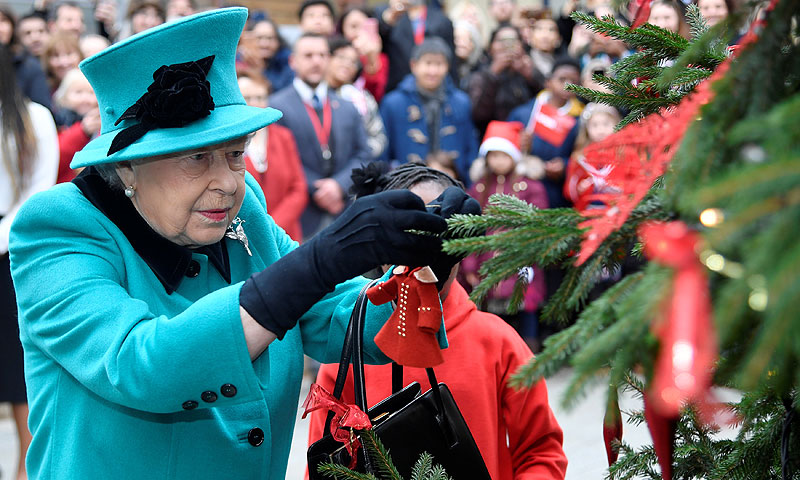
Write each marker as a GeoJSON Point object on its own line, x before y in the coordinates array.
{"type": "Point", "coordinates": [377, 177]}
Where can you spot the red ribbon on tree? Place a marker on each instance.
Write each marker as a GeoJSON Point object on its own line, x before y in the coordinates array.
{"type": "Point", "coordinates": [346, 418]}
{"type": "Point", "coordinates": [641, 12]}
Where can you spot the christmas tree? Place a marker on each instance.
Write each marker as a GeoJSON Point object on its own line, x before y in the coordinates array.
{"type": "Point", "coordinates": [707, 172]}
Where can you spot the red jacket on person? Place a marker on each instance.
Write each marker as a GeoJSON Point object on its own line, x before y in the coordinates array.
{"type": "Point", "coordinates": [283, 181]}
{"type": "Point", "coordinates": [516, 431]}
{"type": "Point", "coordinates": [70, 141]}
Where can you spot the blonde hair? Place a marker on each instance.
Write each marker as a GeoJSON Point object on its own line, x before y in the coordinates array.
{"type": "Point", "coordinates": [590, 110]}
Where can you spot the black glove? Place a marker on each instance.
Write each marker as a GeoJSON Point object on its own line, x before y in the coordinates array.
{"type": "Point", "coordinates": [370, 233]}
{"type": "Point", "coordinates": [451, 201]}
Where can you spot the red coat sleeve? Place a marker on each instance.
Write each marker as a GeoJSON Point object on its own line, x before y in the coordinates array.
{"type": "Point", "coordinates": [534, 436]}
{"type": "Point", "coordinates": [375, 83]}
{"type": "Point", "coordinates": [70, 141]}
{"type": "Point", "coordinates": [383, 292]}
{"type": "Point", "coordinates": [295, 199]}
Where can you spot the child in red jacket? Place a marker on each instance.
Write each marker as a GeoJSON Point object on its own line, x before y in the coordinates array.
{"type": "Point", "coordinates": [503, 169]}
{"type": "Point", "coordinates": [75, 101]}
{"type": "Point", "coordinates": [515, 430]}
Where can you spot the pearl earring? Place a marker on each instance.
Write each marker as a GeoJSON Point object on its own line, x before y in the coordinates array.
{"type": "Point", "coordinates": [130, 191]}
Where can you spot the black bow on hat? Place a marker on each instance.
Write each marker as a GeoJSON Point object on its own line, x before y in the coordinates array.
{"type": "Point", "coordinates": [178, 96]}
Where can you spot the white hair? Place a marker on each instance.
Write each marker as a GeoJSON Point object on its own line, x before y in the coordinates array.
{"type": "Point", "coordinates": [70, 78]}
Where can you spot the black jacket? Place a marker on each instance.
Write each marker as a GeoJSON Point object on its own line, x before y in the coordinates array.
{"type": "Point", "coordinates": [398, 41]}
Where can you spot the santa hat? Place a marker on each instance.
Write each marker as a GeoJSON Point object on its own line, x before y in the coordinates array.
{"type": "Point", "coordinates": [502, 137]}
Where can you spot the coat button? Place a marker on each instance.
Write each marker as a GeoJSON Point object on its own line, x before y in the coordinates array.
{"type": "Point", "coordinates": [208, 396]}
{"type": "Point", "coordinates": [255, 436]}
{"type": "Point", "coordinates": [189, 405]}
{"type": "Point", "coordinates": [193, 269]}
{"type": "Point", "coordinates": [228, 390]}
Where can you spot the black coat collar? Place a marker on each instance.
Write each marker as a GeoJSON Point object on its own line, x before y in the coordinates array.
{"type": "Point", "coordinates": [170, 262]}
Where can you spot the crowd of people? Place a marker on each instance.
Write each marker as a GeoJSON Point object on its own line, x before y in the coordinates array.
{"type": "Point", "coordinates": [412, 81]}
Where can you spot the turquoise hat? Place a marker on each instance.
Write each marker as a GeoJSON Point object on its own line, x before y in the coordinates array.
{"type": "Point", "coordinates": [169, 89]}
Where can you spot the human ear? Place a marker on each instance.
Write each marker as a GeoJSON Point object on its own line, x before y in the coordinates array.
{"type": "Point", "coordinates": [126, 173]}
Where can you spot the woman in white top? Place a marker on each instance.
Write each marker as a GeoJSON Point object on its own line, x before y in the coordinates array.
{"type": "Point", "coordinates": [29, 158]}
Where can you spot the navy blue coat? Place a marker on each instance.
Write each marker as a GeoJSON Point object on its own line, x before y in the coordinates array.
{"type": "Point", "coordinates": [31, 79]}
{"type": "Point", "coordinates": [348, 144]}
{"type": "Point", "coordinates": [407, 131]}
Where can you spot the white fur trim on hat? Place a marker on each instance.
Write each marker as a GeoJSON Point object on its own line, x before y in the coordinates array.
{"type": "Point", "coordinates": [500, 144]}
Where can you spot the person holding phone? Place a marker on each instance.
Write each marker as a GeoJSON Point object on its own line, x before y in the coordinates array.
{"type": "Point", "coordinates": [360, 28]}
{"type": "Point", "coordinates": [505, 81]}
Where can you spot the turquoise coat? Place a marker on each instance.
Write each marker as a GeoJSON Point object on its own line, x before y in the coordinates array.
{"type": "Point", "coordinates": [111, 358]}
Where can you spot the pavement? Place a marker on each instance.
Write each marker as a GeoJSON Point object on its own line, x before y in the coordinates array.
{"type": "Point", "coordinates": [582, 425]}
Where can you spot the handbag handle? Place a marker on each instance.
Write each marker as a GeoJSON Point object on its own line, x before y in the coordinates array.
{"type": "Point", "coordinates": [441, 415]}
{"type": "Point", "coordinates": [354, 336]}
{"type": "Point", "coordinates": [353, 352]}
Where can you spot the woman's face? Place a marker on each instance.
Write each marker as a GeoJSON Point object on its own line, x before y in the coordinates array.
{"type": "Point", "coordinates": [499, 163]}
{"type": "Point", "coordinates": [506, 40]}
{"type": "Point", "coordinates": [266, 40]}
{"type": "Point", "coordinates": [189, 198]}
{"type": "Point", "coordinates": [599, 126]}
{"type": "Point", "coordinates": [343, 66]}
{"type": "Point", "coordinates": [352, 24]}
{"type": "Point", "coordinates": [713, 11]}
{"type": "Point", "coordinates": [463, 43]}
{"type": "Point", "coordinates": [144, 18]}
{"type": "Point", "coordinates": [80, 97]}
{"type": "Point", "coordinates": [545, 36]}
{"type": "Point", "coordinates": [62, 61]}
{"type": "Point", "coordinates": [6, 30]}
{"type": "Point", "coordinates": [665, 17]}
{"type": "Point", "coordinates": [255, 94]}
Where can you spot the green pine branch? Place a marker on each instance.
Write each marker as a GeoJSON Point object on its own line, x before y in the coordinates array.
{"type": "Point", "coordinates": [423, 468]}
{"type": "Point", "coordinates": [740, 157]}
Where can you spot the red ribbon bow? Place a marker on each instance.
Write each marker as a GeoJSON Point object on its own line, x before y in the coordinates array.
{"type": "Point", "coordinates": [345, 418]}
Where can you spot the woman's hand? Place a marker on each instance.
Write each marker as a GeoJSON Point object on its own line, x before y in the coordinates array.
{"type": "Point", "coordinates": [500, 62]}
{"type": "Point", "coordinates": [369, 46]}
{"type": "Point", "coordinates": [451, 202]}
{"type": "Point", "coordinates": [397, 8]}
{"type": "Point", "coordinates": [554, 169]}
{"type": "Point", "coordinates": [384, 228]}
{"type": "Point", "coordinates": [90, 123]}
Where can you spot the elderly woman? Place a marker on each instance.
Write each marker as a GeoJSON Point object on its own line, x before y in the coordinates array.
{"type": "Point", "coordinates": [163, 314]}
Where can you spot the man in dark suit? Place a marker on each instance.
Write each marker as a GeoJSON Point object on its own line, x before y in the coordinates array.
{"type": "Point", "coordinates": [329, 131]}
{"type": "Point", "coordinates": [405, 23]}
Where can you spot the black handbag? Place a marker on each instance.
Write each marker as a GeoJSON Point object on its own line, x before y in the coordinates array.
{"type": "Point", "coordinates": [406, 422]}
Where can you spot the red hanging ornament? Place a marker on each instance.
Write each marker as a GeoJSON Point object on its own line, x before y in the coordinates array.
{"type": "Point", "coordinates": [662, 429]}
{"type": "Point", "coordinates": [612, 427]}
{"type": "Point", "coordinates": [688, 344]}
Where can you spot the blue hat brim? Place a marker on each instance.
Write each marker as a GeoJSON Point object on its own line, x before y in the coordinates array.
{"type": "Point", "coordinates": [225, 123]}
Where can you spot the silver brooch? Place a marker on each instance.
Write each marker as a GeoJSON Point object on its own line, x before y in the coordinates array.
{"type": "Point", "coordinates": [236, 232]}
